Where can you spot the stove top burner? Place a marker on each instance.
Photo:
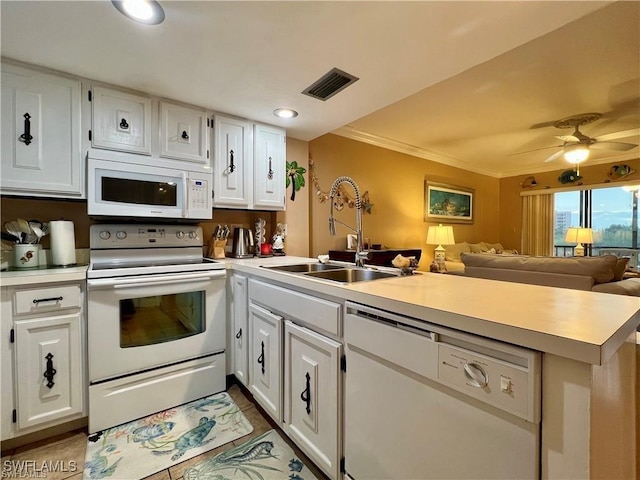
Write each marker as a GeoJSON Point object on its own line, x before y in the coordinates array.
{"type": "Point", "coordinates": [126, 250]}
{"type": "Point", "coordinates": [156, 263]}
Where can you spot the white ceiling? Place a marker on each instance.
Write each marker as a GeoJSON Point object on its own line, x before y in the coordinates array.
{"type": "Point", "coordinates": [452, 81]}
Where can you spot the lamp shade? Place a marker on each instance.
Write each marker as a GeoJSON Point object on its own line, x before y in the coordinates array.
{"type": "Point", "coordinates": [579, 235]}
{"type": "Point", "coordinates": [440, 235]}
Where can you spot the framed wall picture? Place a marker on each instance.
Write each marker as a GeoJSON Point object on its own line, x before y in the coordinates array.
{"type": "Point", "coordinates": [447, 203]}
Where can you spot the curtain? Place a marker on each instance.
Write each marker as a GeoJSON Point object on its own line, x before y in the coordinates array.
{"type": "Point", "coordinates": [537, 224]}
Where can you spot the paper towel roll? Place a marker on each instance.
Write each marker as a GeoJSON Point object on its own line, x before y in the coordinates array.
{"type": "Point", "coordinates": [63, 242]}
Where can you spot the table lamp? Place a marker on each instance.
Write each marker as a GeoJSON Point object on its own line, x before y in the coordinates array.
{"type": "Point", "coordinates": [440, 235]}
{"type": "Point", "coordinates": [579, 235]}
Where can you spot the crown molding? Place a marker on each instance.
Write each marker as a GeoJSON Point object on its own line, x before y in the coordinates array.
{"type": "Point", "coordinates": [413, 150]}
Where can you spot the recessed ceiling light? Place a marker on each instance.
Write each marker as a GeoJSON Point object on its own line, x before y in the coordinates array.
{"type": "Point", "coordinates": [285, 113]}
{"type": "Point", "coordinates": [148, 12]}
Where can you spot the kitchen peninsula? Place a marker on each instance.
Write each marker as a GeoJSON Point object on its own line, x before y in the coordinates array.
{"type": "Point", "coordinates": [585, 340]}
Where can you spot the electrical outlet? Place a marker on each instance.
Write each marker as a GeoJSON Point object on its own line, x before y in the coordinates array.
{"type": "Point", "coordinates": [284, 229]}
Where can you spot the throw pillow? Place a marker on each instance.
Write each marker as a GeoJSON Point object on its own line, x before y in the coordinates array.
{"type": "Point", "coordinates": [496, 246]}
{"type": "Point", "coordinates": [478, 247]}
{"type": "Point", "coordinates": [620, 268]}
{"type": "Point", "coordinates": [452, 252]}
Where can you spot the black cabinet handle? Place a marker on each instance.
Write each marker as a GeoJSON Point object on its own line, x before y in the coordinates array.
{"type": "Point", "coordinates": [270, 174]}
{"type": "Point", "coordinates": [26, 136]}
{"type": "Point", "coordinates": [239, 334]}
{"type": "Point", "coordinates": [50, 371]}
{"type": "Point", "coordinates": [123, 124]}
{"type": "Point", "coordinates": [305, 396]}
{"type": "Point", "coordinates": [232, 167]}
{"type": "Point", "coordinates": [261, 357]}
{"type": "Point", "coordinates": [52, 299]}
{"type": "Point", "coordinates": [185, 135]}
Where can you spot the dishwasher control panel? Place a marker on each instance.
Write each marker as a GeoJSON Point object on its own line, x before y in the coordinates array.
{"type": "Point", "coordinates": [499, 383]}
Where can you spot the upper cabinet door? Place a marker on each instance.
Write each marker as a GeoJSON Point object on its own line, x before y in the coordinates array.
{"type": "Point", "coordinates": [41, 148]}
{"type": "Point", "coordinates": [183, 133]}
{"type": "Point", "coordinates": [269, 167]}
{"type": "Point", "coordinates": [121, 121]}
{"type": "Point", "coordinates": [232, 163]}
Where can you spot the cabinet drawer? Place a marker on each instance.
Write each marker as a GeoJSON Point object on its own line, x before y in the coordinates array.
{"type": "Point", "coordinates": [315, 312]}
{"type": "Point", "coordinates": [47, 299]}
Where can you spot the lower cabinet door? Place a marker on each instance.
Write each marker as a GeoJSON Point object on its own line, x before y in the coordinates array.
{"type": "Point", "coordinates": [240, 331]}
{"type": "Point", "coordinates": [48, 367]}
{"type": "Point", "coordinates": [265, 360]}
{"type": "Point", "coordinates": [312, 413]}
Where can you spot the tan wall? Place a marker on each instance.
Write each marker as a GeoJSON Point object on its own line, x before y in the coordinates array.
{"type": "Point", "coordinates": [510, 189]}
{"type": "Point", "coordinates": [297, 214]}
{"type": "Point", "coordinates": [395, 183]}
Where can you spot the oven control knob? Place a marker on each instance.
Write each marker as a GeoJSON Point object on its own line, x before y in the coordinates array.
{"type": "Point", "coordinates": [121, 235]}
{"type": "Point", "coordinates": [180, 234]}
{"type": "Point", "coordinates": [104, 235]}
{"type": "Point", "coordinates": [193, 235]}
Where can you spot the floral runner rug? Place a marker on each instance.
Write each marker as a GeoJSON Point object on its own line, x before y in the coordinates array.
{"type": "Point", "coordinates": [266, 457]}
{"type": "Point", "coordinates": [140, 448]}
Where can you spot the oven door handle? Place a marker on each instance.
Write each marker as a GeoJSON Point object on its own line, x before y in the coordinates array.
{"type": "Point", "coordinates": [153, 280]}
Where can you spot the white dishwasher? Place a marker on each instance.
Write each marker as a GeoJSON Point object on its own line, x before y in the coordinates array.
{"type": "Point", "coordinates": [428, 402]}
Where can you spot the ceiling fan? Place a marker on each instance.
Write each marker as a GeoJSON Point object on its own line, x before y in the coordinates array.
{"type": "Point", "coordinates": [576, 147]}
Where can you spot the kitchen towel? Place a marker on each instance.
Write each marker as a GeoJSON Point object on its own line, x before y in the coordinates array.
{"type": "Point", "coordinates": [63, 242]}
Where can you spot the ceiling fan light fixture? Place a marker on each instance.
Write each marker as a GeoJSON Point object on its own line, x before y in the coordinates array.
{"type": "Point", "coordinates": [576, 153]}
{"type": "Point", "coordinates": [149, 12]}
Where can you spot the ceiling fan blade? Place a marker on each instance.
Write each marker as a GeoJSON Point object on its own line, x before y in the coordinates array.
{"type": "Point", "coordinates": [551, 158]}
{"type": "Point", "coordinates": [615, 135]}
{"type": "Point", "coordinates": [622, 147]}
{"type": "Point", "coordinates": [567, 138]}
{"type": "Point", "coordinates": [535, 150]}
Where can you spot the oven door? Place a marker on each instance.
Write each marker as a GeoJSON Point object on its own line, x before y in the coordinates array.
{"type": "Point", "coordinates": [142, 322]}
{"type": "Point", "coordinates": [130, 190]}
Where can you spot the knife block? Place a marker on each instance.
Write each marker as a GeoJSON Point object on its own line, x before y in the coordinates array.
{"type": "Point", "coordinates": [216, 249]}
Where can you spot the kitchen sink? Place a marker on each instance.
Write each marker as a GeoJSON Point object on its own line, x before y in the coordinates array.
{"type": "Point", "coordinates": [350, 275]}
{"type": "Point", "coordinates": [306, 267]}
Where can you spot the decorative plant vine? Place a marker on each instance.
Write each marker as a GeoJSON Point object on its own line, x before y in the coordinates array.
{"type": "Point", "coordinates": [295, 177]}
{"type": "Point", "coordinates": [343, 194]}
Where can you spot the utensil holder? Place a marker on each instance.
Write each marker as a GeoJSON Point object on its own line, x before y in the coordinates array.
{"type": "Point", "coordinates": [217, 248]}
{"type": "Point", "coordinates": [26, 255]}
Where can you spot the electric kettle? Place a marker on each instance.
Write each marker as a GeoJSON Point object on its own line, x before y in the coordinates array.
{"type": "Point", "coordinates": [242, 246]}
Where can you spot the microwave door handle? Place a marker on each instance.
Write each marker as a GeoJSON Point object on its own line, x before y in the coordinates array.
{"type": "Point", "coordinates": [185, 195]}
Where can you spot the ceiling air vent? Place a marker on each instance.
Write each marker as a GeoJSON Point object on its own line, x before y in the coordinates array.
{"type": "Point", "coordinates": [329, 84]}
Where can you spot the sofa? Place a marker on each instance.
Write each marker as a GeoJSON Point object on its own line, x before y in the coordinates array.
{"type": "Point", "coordinates": [452, 253]}
{"type": "Point", "coordinates": [599, 274]}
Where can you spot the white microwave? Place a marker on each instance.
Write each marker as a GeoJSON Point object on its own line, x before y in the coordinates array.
{"type": "Point", "coordinates": [123, 189]}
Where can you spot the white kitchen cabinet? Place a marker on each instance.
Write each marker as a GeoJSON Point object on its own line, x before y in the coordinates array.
{"type": "Point", "coordinates": [269, 167]}
{"type": "Point", "coordinates": [312, 406]}
{"type": "Point", "coordinates": [41, 147]}
{"type": "Point", "coordinates": [249, 165]}
{"type": "Point", "coordinates": [240, 328]}
{"type": "Point", "coordinates": [232, 163]}
{"type": "Point", "coordinates": [265, 358]}
{"type": "Point", "coordinates": [43, 365]}
{"type": "Point", "coordinates": [120, 121]}
{"type": "Point", "coordinates": [184, 133]}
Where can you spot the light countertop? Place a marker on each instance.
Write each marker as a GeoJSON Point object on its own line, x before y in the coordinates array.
{"type": "Point", "coordinates": [585, 326]}
{"type": "Point", "coordinates": [32, 276]}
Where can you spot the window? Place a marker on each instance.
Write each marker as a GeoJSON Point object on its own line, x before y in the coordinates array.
{"type": "Point", "coordinates": [611, 212]}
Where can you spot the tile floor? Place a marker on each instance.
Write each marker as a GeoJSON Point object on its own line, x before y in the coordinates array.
{"type": "Point", "coordinates": [72, 446]}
